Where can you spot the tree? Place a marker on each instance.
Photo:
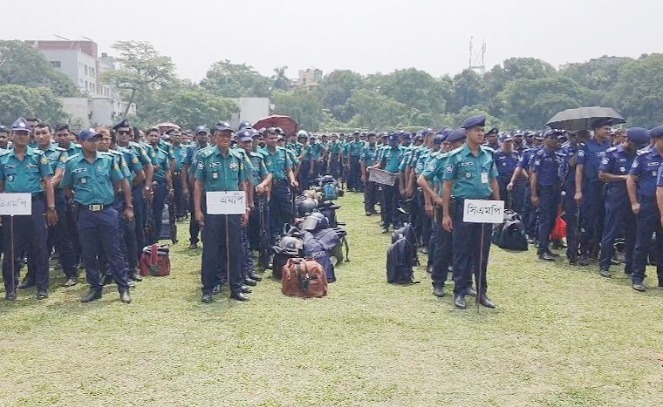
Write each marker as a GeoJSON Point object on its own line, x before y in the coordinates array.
{"type": "Point", "coordinates": [532, 102]}
{"type": "Point", "coordinates": [141, 70]}
{"type": "Point", "coordinates": [376, 111]}
{"type": "Point", "coordinates": [22, 64]}
{"type": "Point", "coordinates": [229, 80]}
{"type": "Point", "coordinates": [335, 90]}
{"type": "Point", "coordinates": [467, 90]}
{"type": "Point", "coordinates": [302, 105]}
{"type": "Point", "coordinates": [638, 93]}
{"type": "Point", "coordinates": [281, 81]}
{"type": "Point", "coordinates": [18, 100]}
{"type": "Point", "coordinates": [187, 104]}
{"type": "Point", "coordinates": [413, 88]}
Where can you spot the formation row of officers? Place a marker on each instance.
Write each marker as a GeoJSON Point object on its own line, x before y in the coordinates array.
{"type": "Point", "coordinates": [604, 184]}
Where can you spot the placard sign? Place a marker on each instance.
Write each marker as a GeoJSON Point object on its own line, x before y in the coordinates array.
{"type": "Point", "coordinates": [483, 211]}
{"type": "Point", "coordinates": [226, 202]}
{"type": "Point", "coordinates": [15, 204]}
{"type": "Point", "coordinates": [381, 177]}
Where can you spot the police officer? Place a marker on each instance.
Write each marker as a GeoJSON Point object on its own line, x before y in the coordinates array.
{"type": "Point", "coordinates": [162, 184]}
{"type": "Point", "coordinates": [278, 164]}
{"type": "Point", "coordinates": [141, 189]}
{"type": "Point", "coordinates": [613, 171]}
{"type": "Point", "coordinates": [470, 173]}
{"type": "Point", "coordinates": [391, 157]}
{"type": "Point", "coordinates": [506, 159]}
{"type": "Point", "coordinates": [178, 152]}
{"type": "Point", "coordinates": [219, 168]}
{"type": "Point", "coordinates": [570, 150]}
{"type": "Point", "coordinates": [188, 170]}
{"type": "Point", "coordinates": [305, 160]}
{"type": "Point", "coordinates": [545, 184]}
{"type": "Point", "coordinates": [92, 178]}
{"type": "Point", "coordinates": [642, 190]}
{"type": "Point", "coordinates": [367, 159]}
{"type": "Point", "coordinates": [354, 148]}
{"type": "Point", "coordinates": [492, 138]}
{"type": "Point", "coordinates": [58, 234]}
{"type": "Point", "coordinates": [27, 170]}
{"type": "Point", "coordinates": [430, 181]}
{"type": "Point", "coordinates": [4, 138]}
{"type": "Point", "coordinates": [589, 188]}
{"type": "Point", "coordinates": [335, 157]}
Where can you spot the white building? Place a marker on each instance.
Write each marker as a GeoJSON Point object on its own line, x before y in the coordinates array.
{"type": "Point", "coordinates": [250, 110]}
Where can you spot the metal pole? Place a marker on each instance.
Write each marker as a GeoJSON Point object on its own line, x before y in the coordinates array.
{"type": "Point", "coordinates": [483, 225]}
{"type": "Point", "coordinates": [13, 255]}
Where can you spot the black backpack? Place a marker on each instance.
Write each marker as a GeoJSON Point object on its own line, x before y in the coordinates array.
{"type": "Point", "coordinates": [510, 235]}
{"type": "Point", "coordinates": [400, 262]}
{"type": "Point", "coordinates": [407, 231]}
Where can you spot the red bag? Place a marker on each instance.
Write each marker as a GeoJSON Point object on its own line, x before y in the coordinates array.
{"type": "Point", "coordinates": [155, 260]}
{"type": "Point", "coordinates": [559, 230]}
{"type": "Point", "coordinates": [303, 278]}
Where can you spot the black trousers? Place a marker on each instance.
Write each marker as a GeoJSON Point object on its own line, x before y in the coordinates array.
{"type": "Point", "coordinates": [222, 250]}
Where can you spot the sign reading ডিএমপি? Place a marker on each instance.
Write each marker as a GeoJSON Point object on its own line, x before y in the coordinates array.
{"type": "Point", "coordinates": [15, 203]}
{"type": "Point", "coordinates": [226, 202]}
{"type": "Point", "coordinates": [483, 211]}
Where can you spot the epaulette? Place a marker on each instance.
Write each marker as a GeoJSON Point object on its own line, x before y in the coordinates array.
{"type": "Point", "coordinates": [204, 152]}
{"type": "Point", "coordinates": [60, 149]}
{"type": "Point", "coordinates": [611, 149]}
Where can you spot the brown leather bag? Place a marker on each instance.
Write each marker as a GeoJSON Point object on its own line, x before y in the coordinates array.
{"type": "Point", "coordinates": [303, 278]}
{"type": "Point", "coordinates": [155, 261]}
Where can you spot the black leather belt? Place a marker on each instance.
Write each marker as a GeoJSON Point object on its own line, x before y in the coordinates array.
{"type": "Point", "coordinates": [94, 207]}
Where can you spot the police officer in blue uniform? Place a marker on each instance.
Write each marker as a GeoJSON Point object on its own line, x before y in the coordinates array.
{"type": "Point", "coordinates": [92, 178]}
{"type": "Point", "coordinates": [58, 235]}
{"type": "Point", "coordinates": [220, 168]}
{"type": "Point", "coordinates": [570, 150]}
{"type": "Point", "coordinates": [390, 160]}
{"type": "Point", "coordinates": [545, 184]}
{"type": "Point", "coordinates": [641, 185]}
{"type": "Point", "coordinates": [589, 188]}
{"type": "Point", "coordinates": [506, 159]}
{"type": "Point", "coordinates": [470, 173]}
{"type": "Point", "coordinates": [279, 164]}
{"type": "Point", "coordinates": [188, 170]}
{"type": "Point", "coordinates": [27, 170]}
{"type": "Point", "coordinates": [614, 171]}
{"type": "Point", "coordinates": [492, 138]}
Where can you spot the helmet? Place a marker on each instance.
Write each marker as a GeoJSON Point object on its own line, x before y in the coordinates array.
{"type": "Point", "coordinates": [315, 221]}
{"type": "Point", "coordinates": [290, 246]}
{"type": "Point", "coordinates": [306, 207]}
{"type": "Point", "coordinates": [302, 134]}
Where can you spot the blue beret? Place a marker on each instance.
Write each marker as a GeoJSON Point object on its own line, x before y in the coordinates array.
{"type": "Point", "coordinates": [87, 134]}
{"type": "Point", "coordinates": [456, 135]}
{"type": "Point", "coordinates": [656, 132]}
{"type": "Point", "coordinates": [638, 135]}
{"type": "Point", "coordinates": [494, 130]}
{"type": "Point", "coordinates": [123, 123]}
{"type": "Point", "coordinates": [474, 121]}
{"type": "Point", "coordinates": [439, 139]}
{"type": "Point", "coordinates": [20, 125]}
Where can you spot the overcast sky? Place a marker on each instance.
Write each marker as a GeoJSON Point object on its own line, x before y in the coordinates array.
{"type": "Point", "coordinates": [364, 36]}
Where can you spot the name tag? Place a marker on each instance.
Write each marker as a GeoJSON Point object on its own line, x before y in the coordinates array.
{"type": "Point", "coordinates": [484, 177]}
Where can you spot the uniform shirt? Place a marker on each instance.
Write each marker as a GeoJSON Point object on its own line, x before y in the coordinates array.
{"type": "Point", "coordinates": [506, 163]}
{"type": "Point", "coordinates": [470, 175]}
{"type": "Point", "coordinates": [617, 162]}
{"type": "Point", "coordinates": [434, 170]}
{"type": "Point", "coordinates": [140, 152]}
{"type": "Point", "coordinates": [92, 183]}
{"type": "Point", "coordinates": [422, 158]}
{"type": "Point", "coordinates": [27, 175]}
{"type": "Point", "coordinates": [355, 147]}
{"type": "Point", "coordinates": [74, 149]}
{"type": "Point", "coordinates": [121, 163]}
{"type": "Point", "coordinates": [220, 172]}
{"type": "Point", "coordinates": [316, 151]}
{"type": "Point", "coordinates": [161, 161]}
{"type": "Point", "coordinates": [258, 170]}
{"type": "Point", "coordinates": [167, 147]}
{"type": "Point", "coordinates": [335, 147]}
{"type": "Point", "coordinates": [294, 160]}
{"type": "Point", "coordinates": [391, 159]}
{"type": "Point", "coordinates": [646, 167]}
{"type": "Point", "coordinates": [569, 166]}
{"type": "Point", "coordinates": [278, 162]}
{"type": "Point", "coordinates": [248, 166]}
{"type": "Point", "coordinates": [191, 158]}
{"type": "Point", "coordinates": [57, 156]}
{"type": "Point", "coordinates": [368, 155]}
{"type": "Point", "coordinates": [407, 158]}
{"type": "Point", "coordinates": [133, 163]}
{"type": "Point", "coordinates": [590, 155]}
{"type": "Point", "coordinates": [296, 147]}
{"type": "Point", "coordinates": [548, 164]}
{"type": "Point", "coordinates": [525, 159]}
{"type": "Point", "coordinates": [178, 154]}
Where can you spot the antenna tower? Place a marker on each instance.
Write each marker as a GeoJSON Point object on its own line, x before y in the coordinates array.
{"type": "Point", "coordinates": [477, 58]}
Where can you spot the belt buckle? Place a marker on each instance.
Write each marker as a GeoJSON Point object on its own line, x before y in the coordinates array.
{"type": "Point", "coordinates": [95, 208]}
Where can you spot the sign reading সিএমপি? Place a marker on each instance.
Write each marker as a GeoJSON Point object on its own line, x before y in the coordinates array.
{"type": "Point", "coordinates": [483, 211]}
{"type": "Point", "coordinates": [15, 204]}
{"type": "Point", "coordinates": [226, 202]}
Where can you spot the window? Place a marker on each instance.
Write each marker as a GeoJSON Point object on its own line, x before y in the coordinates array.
{"type": "Point", "coordinates": [86, 72]}
{"type": "Point", "coordinates": [87, 86]}
{"type": "Point", "coordinates": [56, 64]}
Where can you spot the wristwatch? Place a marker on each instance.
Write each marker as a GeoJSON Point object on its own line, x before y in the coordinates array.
{"type": "Point", "coordinates": [51, 208]}
{"type": "Point", "coordinates": [130, 207]}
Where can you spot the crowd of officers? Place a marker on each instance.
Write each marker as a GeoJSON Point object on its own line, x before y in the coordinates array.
{"type": "Point", "coordinates": [98, 196]}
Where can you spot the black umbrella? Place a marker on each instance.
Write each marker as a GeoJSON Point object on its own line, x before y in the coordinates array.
{"type": "Point", "coordinates": [582, 118]}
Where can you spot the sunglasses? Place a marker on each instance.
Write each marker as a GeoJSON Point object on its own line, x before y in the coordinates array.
{"type": "Point", "coordinates": [123, 132]}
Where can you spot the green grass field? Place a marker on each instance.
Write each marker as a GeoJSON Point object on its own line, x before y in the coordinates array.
{"type": "Point", "coordinates": [560, 336]}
